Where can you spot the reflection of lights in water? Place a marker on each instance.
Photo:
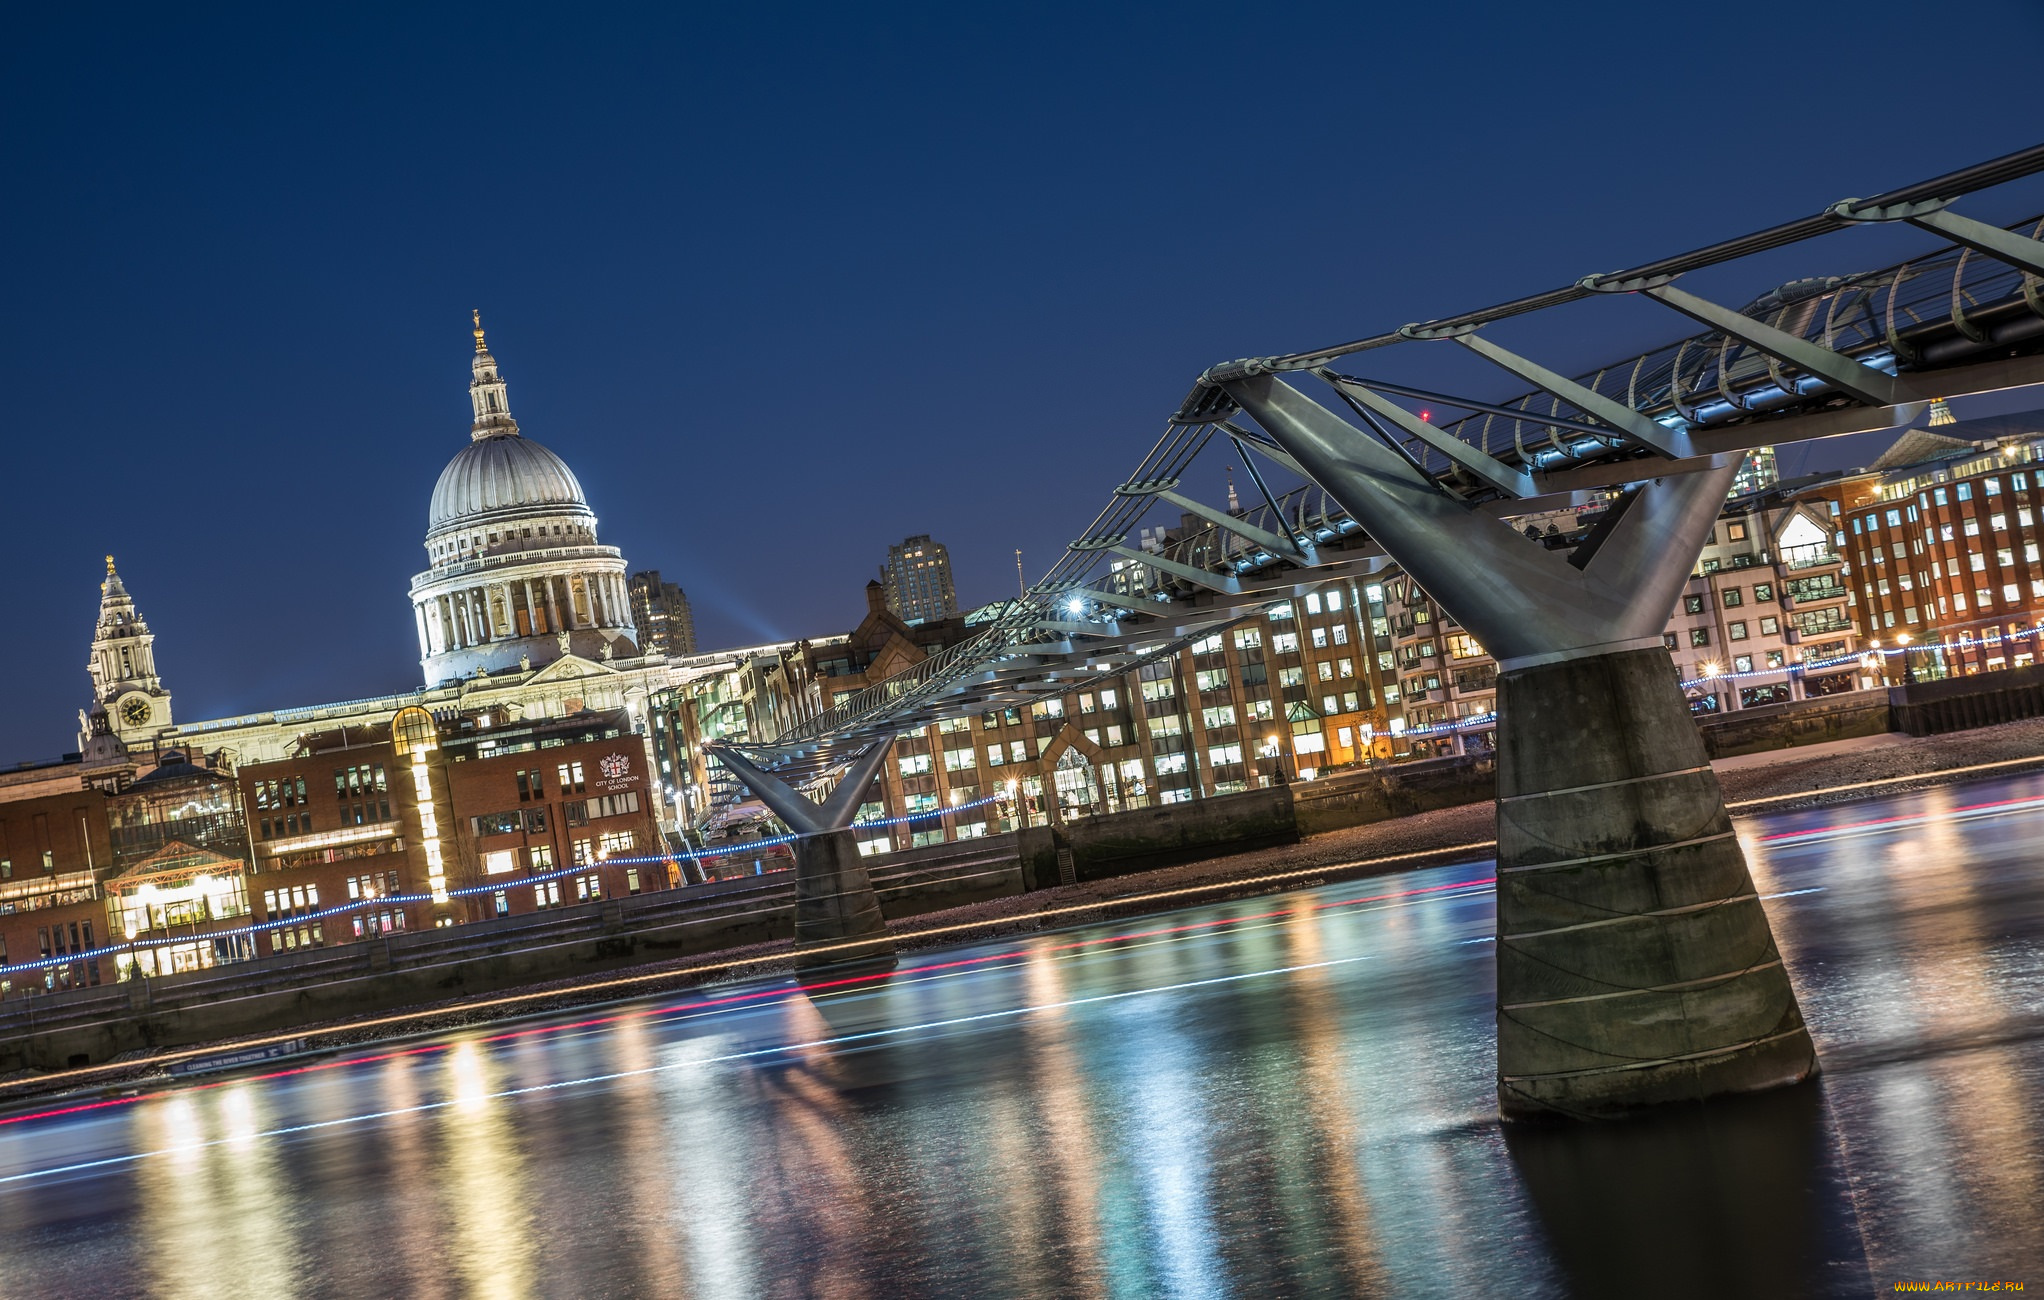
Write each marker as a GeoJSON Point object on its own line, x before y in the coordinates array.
{"type": "Point", "coordinates": [219, 1198]}
{"type": "Point", "coordinates": [1322, 1094]}
{"type": "Point", "coordinates": [482, 1181]}
{"type": "Point", "coordinates": [465, 1063]}
{"type": "Point", "coordinates": [642, 1110]}
{"type": "Point", "coordinates": [238, 1116]}
{"type": "Point", "coordinates": [480, 1102]}
{"type": "Point", "coordinates": [701, 1008]}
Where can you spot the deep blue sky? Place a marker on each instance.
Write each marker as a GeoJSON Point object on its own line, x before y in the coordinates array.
{"type": "Point", "coordinates": [786, 284]}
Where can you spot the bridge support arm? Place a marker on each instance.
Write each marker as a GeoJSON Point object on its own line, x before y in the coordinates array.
{"type": "Point", "coordinates": [1624, 421]}
{"type": "Point", "coordinates": [1521, 599]}
{"type": "Point", "coordinates": [1486, 467]}
{"type": "Point", "coordinates": [1222, 583]}
{"type": "Point", "coordinates": [1874, 387]}
{"type": "Point", "coordinates": [804, 815]}
{"type": "Point", "coordinates": [1934, 216]}
{"type": "Point", "coordinates": [1269, 541]}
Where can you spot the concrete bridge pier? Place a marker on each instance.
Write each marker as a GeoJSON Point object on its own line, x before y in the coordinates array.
{"type": "Point", "coordinates": [1635, 963]}
{"type": "Point", "coordinates": [837, 915]}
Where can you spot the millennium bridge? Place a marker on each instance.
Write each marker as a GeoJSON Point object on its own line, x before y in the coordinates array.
{"type": "Point", "coordinates": [1635, 962]}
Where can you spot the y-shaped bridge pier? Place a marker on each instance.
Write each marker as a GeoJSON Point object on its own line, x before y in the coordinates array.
{"type": "Point", "coordinates": [837, 914]}
{"type": "Point", "coordinates": [1634, 961]}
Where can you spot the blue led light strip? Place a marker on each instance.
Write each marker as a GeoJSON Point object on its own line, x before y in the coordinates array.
{"type": "Point", "coordinates": [1963, 643]}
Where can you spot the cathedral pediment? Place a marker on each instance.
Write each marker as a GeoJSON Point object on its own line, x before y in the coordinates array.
{"type": "Point", "coordinates": [569, 668]}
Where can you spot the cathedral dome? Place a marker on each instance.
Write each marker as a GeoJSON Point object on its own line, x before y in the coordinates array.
{"type": "Point", "coordinates": [503, 474]}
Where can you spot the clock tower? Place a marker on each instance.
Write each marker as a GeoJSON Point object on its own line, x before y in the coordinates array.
{"type": "Point", "coordinates": [123, 669]}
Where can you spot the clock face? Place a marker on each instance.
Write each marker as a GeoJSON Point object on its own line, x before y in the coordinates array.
{"type": "Point", "coordinates": [135, 712]}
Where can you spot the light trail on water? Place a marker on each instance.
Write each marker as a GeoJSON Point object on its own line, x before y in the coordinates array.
{"type": "Point", "coordinates": [701, 1008]}
{"type": "Point", "coordinates": [1877, 825]}
{"type": "Point", "coordinates": [767, 998]}
{"type": "Point", "coordinates": [833, 1041]}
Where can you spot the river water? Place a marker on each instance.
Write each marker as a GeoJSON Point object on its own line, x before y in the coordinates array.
{"type": "Point", "coordinates": [1283, 1096]}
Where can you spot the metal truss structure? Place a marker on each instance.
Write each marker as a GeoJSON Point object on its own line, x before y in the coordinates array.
{"type": "Point", "coordinates": [1815, 358]}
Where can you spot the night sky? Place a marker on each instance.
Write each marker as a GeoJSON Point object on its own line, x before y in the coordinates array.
{"type": "Point", "coordinates": [785, 284]}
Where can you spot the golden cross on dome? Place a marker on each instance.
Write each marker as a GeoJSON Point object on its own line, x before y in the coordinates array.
{"type": "Point", "coordinates": [476, 314]}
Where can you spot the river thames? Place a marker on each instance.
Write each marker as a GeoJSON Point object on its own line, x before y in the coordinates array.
{"type": "Point", "coordinates": [1290, 1095]}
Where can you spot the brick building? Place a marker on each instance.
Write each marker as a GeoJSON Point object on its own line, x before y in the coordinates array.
{"type": "Point", "coordinates": [517, 815]}
{"type": "Point", "coordinates": [54, 853]}
{"type": "Point", "coordinates": [551, 811]}
{"type": "Point", "coordinates": [1943, 538]}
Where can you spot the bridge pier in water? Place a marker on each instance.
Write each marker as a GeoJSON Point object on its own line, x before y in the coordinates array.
{"type": "Point", "coordinates": [1635, 963]}
{"type": "Point", "coordinates": [837, 915]}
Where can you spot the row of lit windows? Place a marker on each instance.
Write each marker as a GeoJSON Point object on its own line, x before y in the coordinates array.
{"type": "Point", "coordinates": [1731, 597]}
{"type": "Point", "coordinates": [291, 900]}
{"type": "Point", "coordinates": [282, 792]}
{"type": "Point", "coordinates": [1735, 630]}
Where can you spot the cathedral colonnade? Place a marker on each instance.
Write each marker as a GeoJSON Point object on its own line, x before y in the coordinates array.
{"type": "Point", "coordinates": [542, 603]}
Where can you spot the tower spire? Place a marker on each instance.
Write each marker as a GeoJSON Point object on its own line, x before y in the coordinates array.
{"type": "Point", "coordinates": [123, 665]}
{"type": "Point", "coordinates": [487, 393]}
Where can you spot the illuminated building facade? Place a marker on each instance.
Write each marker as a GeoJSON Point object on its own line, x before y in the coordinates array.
{"type": "Point", "coordinates": [1765, 602]}
{"type": "Point", "coordinates": [666, 624]}
{"type": "Point", "coordinates": [1943, 539]}
{"type": "Point", "coordinates": [182, 908]}
{"type": "Point", "coordinates": [551, 812]}
{"type": "Point", "coordinates": [54, 854]}
{"type": "Point", "coordinates": [917, 577]}
{"type": "Point", "coordinates": [180, 855]}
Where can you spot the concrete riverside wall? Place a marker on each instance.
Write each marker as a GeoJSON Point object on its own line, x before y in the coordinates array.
{"type": "Point", "coordinates": [1381, 793]}
{"type": "Point", "coordinates": [1116, 844]}
{"type": "Point", "coordinates": [1636, 965]}
{"type": "Point", "coordinates": [1961, 703]}
{"type": "Point", "coordinates": [1802, 722]}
